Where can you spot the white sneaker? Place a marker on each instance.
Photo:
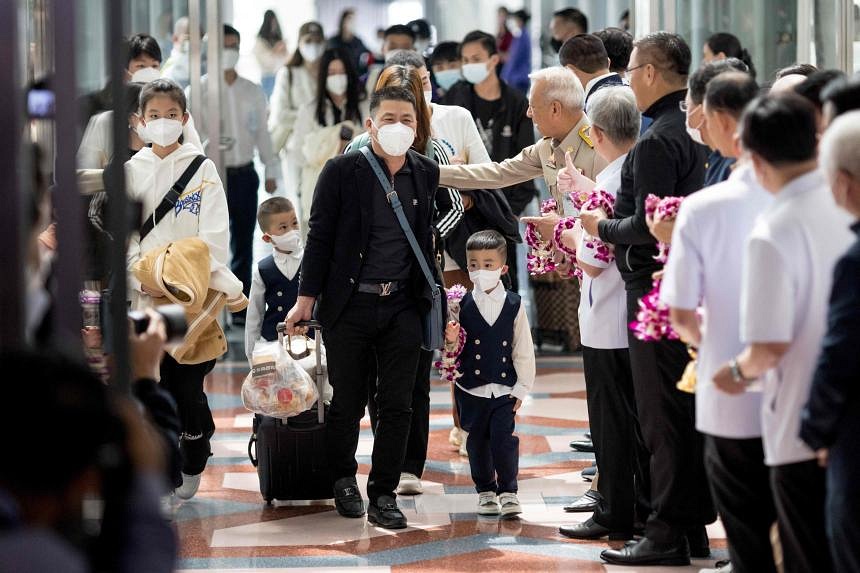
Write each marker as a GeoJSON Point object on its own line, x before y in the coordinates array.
{"type": "Point", "coordinates": [189, 487]}
{"type": "Point", "coordinates": [724, 569]}
{"type": "Point", "coordinates": [487, 504]}
{"type": "Point", "coordinates": [510, 504]}
{"type": "Point", "coordinates": [410, 484]}
{"type": "Point", "coordinates": [454, 437]}
{"type": "Point", "coordinates": [464, 435]}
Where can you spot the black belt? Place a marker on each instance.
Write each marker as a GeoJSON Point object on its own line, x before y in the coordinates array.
{"type": "Point", "coordinates": [381, 289]}
{"type": "Point", "coordinates": [246, 167]}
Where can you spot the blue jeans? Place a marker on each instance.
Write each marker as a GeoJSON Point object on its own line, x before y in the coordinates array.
{"type": "Point", "coordinates": [494, 450]}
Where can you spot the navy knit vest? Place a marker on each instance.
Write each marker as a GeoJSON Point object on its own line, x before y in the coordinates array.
{"type": "Point", "coordinates": [486, 357]}
{"type": "Point", "coordinates": [281, 295]}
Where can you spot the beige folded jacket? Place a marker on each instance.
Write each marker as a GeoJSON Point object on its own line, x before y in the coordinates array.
{"type": "Point", "coordinates": [181, 270]}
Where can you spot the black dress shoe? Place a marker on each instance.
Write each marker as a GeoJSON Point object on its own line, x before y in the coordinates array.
{"type": "Point", "coordinates": [583, 446]}
{"type": "Point", "coordinates": [385, 513]}
{"type": "Point", "coordinates": [587, 436]}
{"type": "Point", "coordinates": [589, 473]}
{"type": "Point", "coordinates": [590, 529]}
{"type": "Point", "coordinates": [587, 502]}
{"type": "Point", "coordinates": [646, 552]}
{"type": "Point", "coordinates": [698, 542]}
{"type": "Point", "coordinates": [347, 500]}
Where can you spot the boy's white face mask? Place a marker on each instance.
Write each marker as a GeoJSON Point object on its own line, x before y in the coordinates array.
{"type": "Point", "coordinates": [484, 279]}
{"type": "Point", "coordinates": [290, 242]}
{"type": "Point", "coordinates": [162, 131]}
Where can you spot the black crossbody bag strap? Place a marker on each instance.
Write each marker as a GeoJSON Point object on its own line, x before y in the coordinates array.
{"type": "Point", "coordinates": [397, 206]}
{"type": "Point", "coordinates": [172, 196]}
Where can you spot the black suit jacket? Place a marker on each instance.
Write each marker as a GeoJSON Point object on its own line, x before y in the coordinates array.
{"type": "Point", "coordinates": [613, 80]}
{"type": "Point", "coordinates": [339, 231]}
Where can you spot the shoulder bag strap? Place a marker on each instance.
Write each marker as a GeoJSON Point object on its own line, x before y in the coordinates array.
{"type": "Point", "coordinates": [394, 201]}
{"type": "Point", "coordinates": [172, 196]}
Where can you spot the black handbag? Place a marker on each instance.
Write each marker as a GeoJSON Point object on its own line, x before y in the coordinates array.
{"type": "Point", "coordinates": [433, 321]}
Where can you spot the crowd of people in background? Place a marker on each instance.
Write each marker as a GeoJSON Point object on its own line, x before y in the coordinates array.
{"type": "Point", "coordinates": [757, 274]}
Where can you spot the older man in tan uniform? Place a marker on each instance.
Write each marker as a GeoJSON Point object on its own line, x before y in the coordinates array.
{"type": "Point", "coordinates": [556, 107]}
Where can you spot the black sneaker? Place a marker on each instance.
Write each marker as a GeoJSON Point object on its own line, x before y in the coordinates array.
{"type": "Point", "coordinates": [385, 513]}
{"type": "Point", "coordinates": [347, 499]}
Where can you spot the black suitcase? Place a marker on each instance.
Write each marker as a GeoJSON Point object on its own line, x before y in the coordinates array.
{"type": "Point", "coordinates": [290, 455]}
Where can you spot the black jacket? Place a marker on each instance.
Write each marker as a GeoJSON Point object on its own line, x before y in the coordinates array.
{"type": "Point", "coordinates": [665, 161]}
{"type": "Point", "coordinates": [490, 210]}
{"type": "Point", "coordinates": [613, 80]}
{"type": "Point", "coordinates": [339, 231]}
{"type": "Point", "coordinates": [833, 410]}
{"type": "Point", "coordinates": [513, 131]}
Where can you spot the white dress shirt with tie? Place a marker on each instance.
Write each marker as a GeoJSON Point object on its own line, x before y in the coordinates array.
{"type": "Point", "coordinates": [522, 350]}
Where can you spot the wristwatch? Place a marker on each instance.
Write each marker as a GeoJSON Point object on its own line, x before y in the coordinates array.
{"type": "Point", "coordinates": [737, 375]}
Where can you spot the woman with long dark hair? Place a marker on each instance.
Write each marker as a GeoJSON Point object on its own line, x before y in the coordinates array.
{"type": "Point", "coordinates": [295, 86]}
{"type": "Point", "coordinates": [270, 51]}
{"type": "Point", "coordinates": [327, 123]}
{"type": "Point", "coordinates": [723, 45]}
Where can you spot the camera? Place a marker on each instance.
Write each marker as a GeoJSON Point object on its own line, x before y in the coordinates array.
{"type": "Point", "coordinates": [173, 315]}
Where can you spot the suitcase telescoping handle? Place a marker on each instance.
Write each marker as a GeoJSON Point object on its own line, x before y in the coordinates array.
{"type": "Point", "coordinates": [318, 371]}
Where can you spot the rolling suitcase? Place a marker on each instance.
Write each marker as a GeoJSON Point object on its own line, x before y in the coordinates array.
{"type": "Point", "coordinates": [290, 454]}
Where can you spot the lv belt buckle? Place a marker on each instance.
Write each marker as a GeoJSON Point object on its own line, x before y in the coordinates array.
{"type": "Point", "coordinates": [385, 288]}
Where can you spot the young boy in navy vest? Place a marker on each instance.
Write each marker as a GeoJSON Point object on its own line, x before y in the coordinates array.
{"type": "Point", "coordinates": [498, 370]}
{"type": "Point", "coordinates": [275, 279]}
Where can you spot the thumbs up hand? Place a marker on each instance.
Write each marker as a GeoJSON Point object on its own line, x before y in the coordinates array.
{"type": "Point", "coordinates": [571, 180]}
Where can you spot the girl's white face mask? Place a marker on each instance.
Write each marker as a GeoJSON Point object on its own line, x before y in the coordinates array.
{"type": "Point", "coordinates": [162, 131]}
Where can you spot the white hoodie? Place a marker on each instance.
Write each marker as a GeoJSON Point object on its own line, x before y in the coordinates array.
{"type": "Point", "coordinates": [200, 212]}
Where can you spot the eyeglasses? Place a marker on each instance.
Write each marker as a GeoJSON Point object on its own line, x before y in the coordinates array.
{"type": "Point", "coordinates": [628, 70]}
{"type": "Point", "coordinates": [685, 108]}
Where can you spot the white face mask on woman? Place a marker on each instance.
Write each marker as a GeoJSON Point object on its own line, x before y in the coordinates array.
{"type": "Point", "coordinates": [162, 131]}
{"type": "Point", "coordinates": [337, 84]}
{"type": "Point", "coordinates": [395, 138]}
{"type": "Point", "coordinates": [145, 75]}
{"type": "Point", "coordinates": [310, 51]}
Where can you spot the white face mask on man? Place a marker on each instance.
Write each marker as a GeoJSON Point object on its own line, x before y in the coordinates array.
{"type": "Point", "coordinates": [162, 131]}
{"type": "Point", "coordinates": [395, 138]}
{"type": "Point", "coordinates": [145, 75]}
{"type": "Point", "coordinates": [229, 58]}
{"type": "Point", "coordinates": [475, 73]}
{"type": "Point", "coordinates": [485, 279]}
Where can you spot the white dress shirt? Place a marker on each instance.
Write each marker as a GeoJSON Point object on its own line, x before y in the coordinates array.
{"type": "Point", "coordinates": [289, 265]}
{"type": "Point", "coordinates": [522, 350]}
{"type": "Point", "coordinates": [704, 267]}
{"type": "Point", "coordinates": [603, 301]}
{"type": "Point", "coordinates": [786, 284]}
{"type": "Point", "coordinates": [244, 113]}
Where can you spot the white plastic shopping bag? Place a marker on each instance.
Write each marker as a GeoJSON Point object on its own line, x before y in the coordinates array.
{"type": "Point", "coordinates": [277, 385]}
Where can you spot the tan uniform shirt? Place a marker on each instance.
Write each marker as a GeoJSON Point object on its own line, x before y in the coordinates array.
{"type": "Point", "coordinates": [544, 158]}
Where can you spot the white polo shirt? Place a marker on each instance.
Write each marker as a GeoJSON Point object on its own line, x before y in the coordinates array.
{"type": "Point", "coordinates": [602, 301]}
{"type": "Point", "coordinates": [704, 268]}
{"type": "Point", "coordinates": [785, 290]}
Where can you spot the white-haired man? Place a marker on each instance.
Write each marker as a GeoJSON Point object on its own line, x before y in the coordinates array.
{"type": "Point", "coordinates": [556, 108]}
{"type": "Point", "coordinates": [830, 421]}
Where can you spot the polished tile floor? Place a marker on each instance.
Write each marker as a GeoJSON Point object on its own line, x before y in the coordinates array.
{"type": "Point", "coordinates": [228, 527]}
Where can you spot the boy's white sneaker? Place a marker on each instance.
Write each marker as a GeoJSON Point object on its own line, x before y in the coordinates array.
{"type": "Point", "coordinates": [410, 484]}
{"type": "Point", "coordinates": [510, 504]}
{"type": "Point", "coordinates": [454, 437]}
{"type": "Point", "coordinates": [487, 504]}
{"type": "Point", "coordinates": [189, 487]}
{"type": "Point", "coordinates": [464, 436]}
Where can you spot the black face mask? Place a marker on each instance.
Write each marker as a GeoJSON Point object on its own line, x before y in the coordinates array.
{"type": "Point", "coordinates": [556, 44]}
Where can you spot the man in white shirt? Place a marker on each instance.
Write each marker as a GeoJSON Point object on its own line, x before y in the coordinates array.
{"type": "Point", "coordinates": [603, 330]}
{"type": "Point", "coordinates": [243, 128]}
{"type": "Point", "coordinates": [786, 282]}
{"type": "Point", "coordinates": [704, 268]}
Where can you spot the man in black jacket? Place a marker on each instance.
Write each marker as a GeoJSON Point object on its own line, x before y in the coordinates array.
{"type": "Point", "coordinates": [360, 268]}
{"type": "Point", "coordinates": [665, 161]}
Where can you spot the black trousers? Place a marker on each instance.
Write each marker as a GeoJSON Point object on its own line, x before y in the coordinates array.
{"type": "Point", "coordinates": [242, 185]}
{"type": "Point", "coordinates": [843, 497]}
{"type": "Point", "coordinates": [740, 483]}
{"type": "Point", "coordinates": [799, 491]}
{"type": "Point", "coordinates": [494, 450]}
{"type": "Point", "coordinates": [618, 446]}
{"type": "Point", "coordinates": [389, 330]}
{"type": "Point", "coordinates": [185, 384]}
{"type": "Point", "coordinates": [680, 497]}
{"type": "Point", "coordinates": [419, 426]}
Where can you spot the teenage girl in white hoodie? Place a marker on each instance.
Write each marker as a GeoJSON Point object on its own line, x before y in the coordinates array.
{"type": "Point", "coordinates": [201, 211]}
